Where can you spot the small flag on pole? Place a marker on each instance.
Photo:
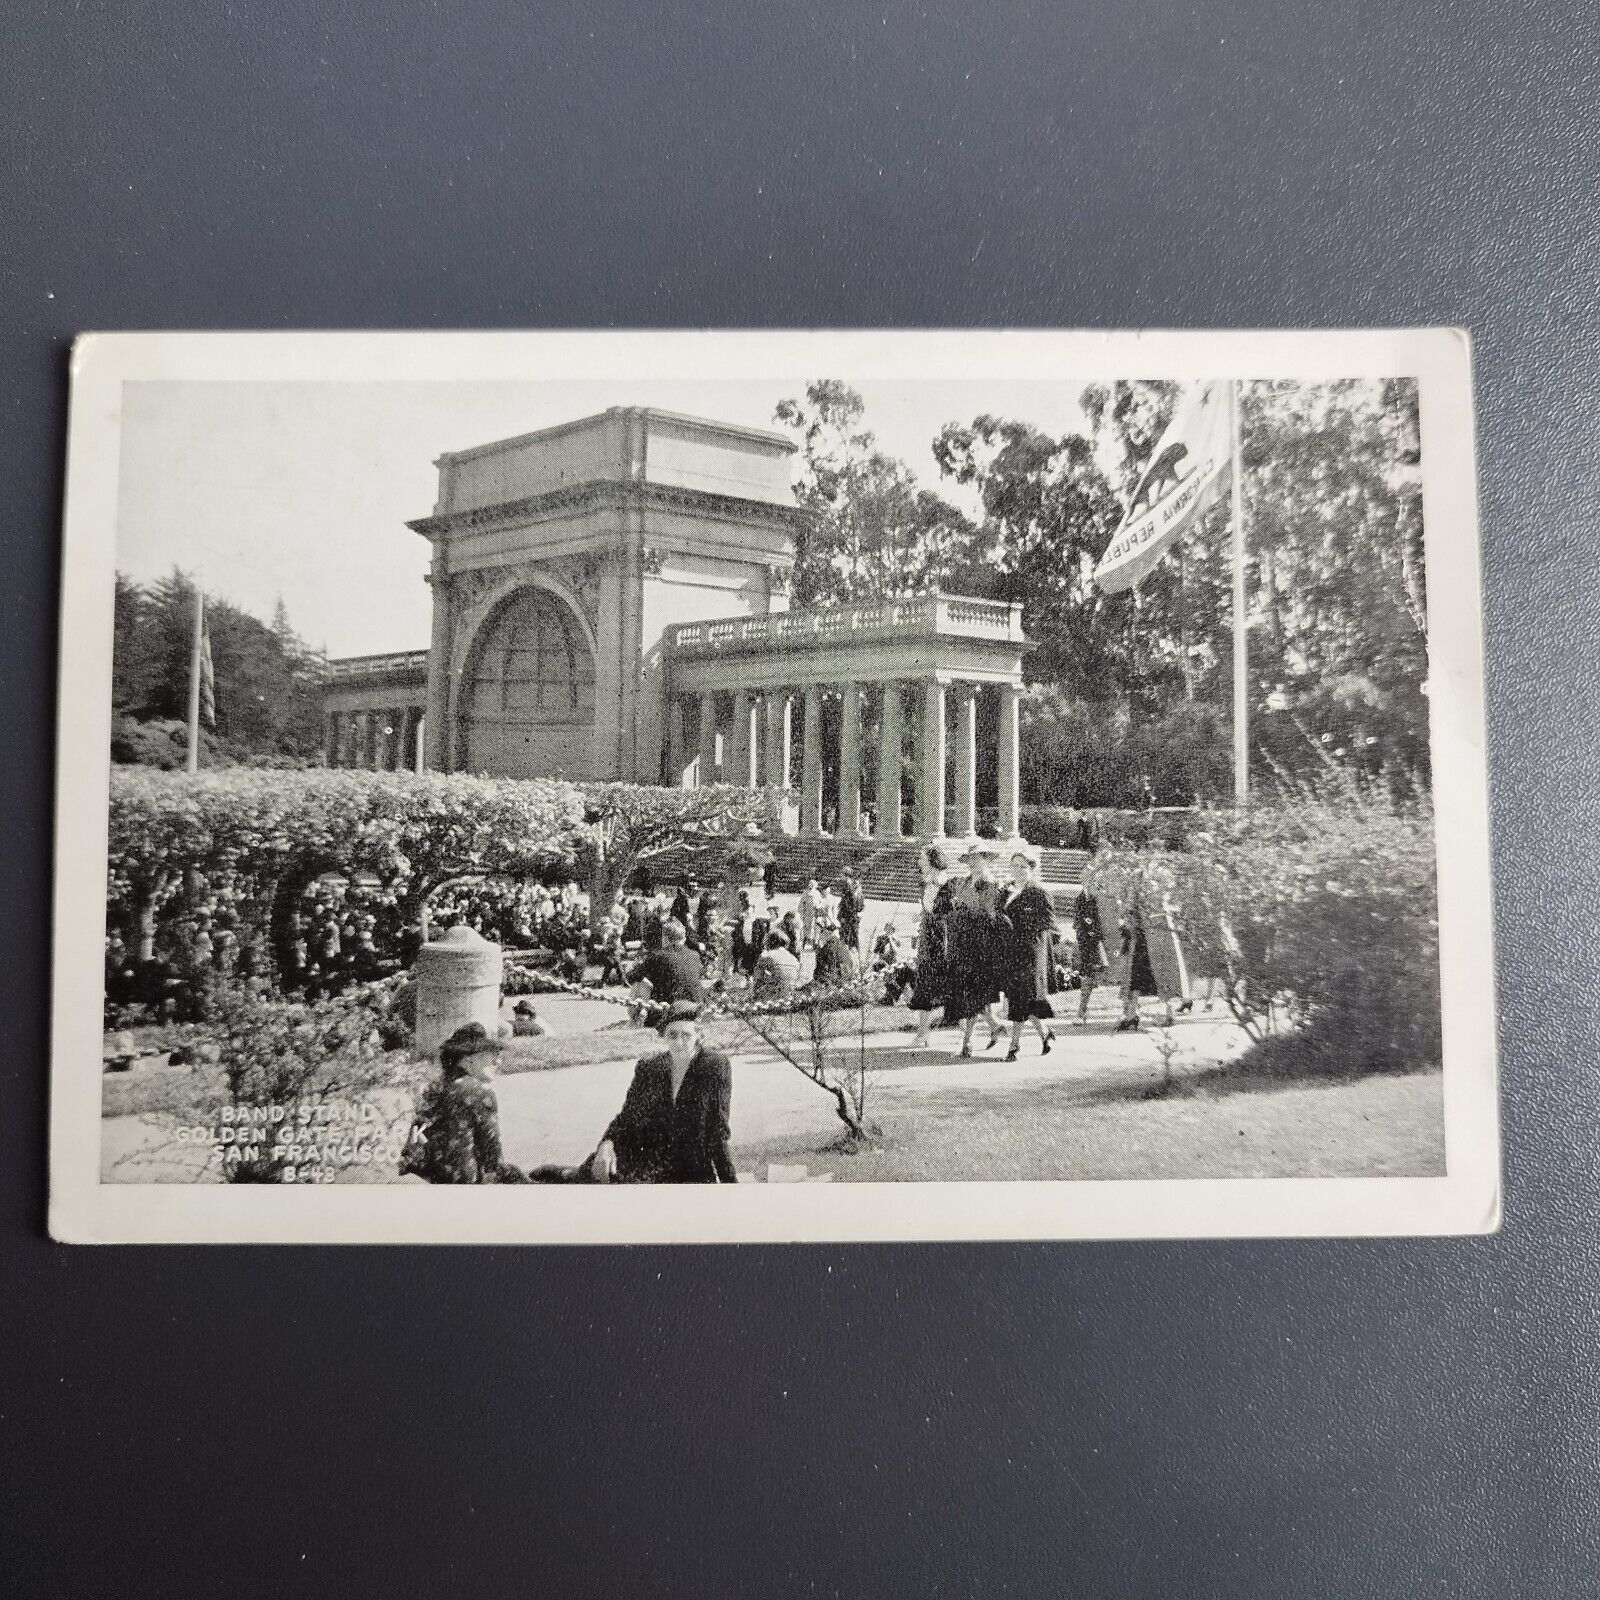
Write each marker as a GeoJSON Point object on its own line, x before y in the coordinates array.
{"type": "Point", "coordinates": [208, 677]}
{"type": "Point", "coordinates": [1186, 473]}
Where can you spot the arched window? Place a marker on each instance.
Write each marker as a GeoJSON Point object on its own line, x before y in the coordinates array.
{"type": "Point", "coordinates": [534, 666]}
{"type": "Point", "coordinates": [527, 706]}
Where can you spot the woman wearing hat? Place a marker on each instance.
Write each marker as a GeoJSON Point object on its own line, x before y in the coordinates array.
{"type": "Point", "coordinates": [930, 990]}
{"type": "Point", "coordinates": [455, 1137]}
{"type": "Point", "coordinates": [673, 1126]}
{"type": "Point", "coordinates": [1030, 955]}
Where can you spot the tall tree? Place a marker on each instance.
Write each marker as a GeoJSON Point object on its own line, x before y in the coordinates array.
{"type": "Point", "coordinates": [268, 683]}
{"type": "Point", "coordinates": [872, 532]}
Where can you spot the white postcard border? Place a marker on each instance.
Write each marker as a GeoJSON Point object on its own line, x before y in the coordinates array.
{"type": "Point", "coordinates": [1465, 1200]}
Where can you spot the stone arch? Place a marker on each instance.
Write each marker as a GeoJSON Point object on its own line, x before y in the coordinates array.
{"type": "Point", "coordinates": [524, 696]}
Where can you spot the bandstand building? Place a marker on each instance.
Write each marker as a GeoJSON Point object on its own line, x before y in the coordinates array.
{"type": "Point", "coordinates": [611, 601]}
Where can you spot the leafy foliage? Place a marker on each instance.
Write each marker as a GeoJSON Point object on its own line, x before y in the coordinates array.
{"type": "Point", "coordinates": [268, 680]}
{"type": "Point", "coordinates": [270, 832]}
{"type": "Point", "coordinates": [634, 822]}
{"type": "Point", "coordinates": [297, 1065]}
{"type": "Point", "coordinates": [873, 532]}
{"type": "Point", "coordinates": [1138, 685]}
{"type": "Point", "coordinates": [1324, 909]}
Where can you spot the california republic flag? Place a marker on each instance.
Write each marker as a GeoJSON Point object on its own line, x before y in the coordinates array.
{"type": "Point", "coordinates": [1187, 472]}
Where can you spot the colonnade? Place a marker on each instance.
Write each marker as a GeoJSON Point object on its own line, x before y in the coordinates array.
{"type": "Point", "coordinates": [390, 739]}
{"type": "Point", "coordinates": [758, 742]}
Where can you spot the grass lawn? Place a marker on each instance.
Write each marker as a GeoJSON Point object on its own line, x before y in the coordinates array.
{"type": "Point", "coordinates": [1371, 1127]}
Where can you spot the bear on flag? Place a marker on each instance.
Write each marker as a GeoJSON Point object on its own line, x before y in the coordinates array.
{"type": "Point", "coordinates": [1187, 471]}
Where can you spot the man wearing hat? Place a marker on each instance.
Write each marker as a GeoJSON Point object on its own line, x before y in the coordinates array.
{"type": "Point", "coordinates": [455, 1137]}
{"type": "Point", "coordinates": [526, 1023]}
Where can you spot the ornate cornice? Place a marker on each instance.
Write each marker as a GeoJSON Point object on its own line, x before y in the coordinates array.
{"type": "Point", "coordinates": [609, 494]}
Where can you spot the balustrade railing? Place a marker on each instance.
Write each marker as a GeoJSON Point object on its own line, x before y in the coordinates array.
{"type": "Point", "coordinates": [371, 666]}
{"type": "Point", "coordinates": [935, 613]}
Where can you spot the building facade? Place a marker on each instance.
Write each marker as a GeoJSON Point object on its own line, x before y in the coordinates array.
{"type": "Point", "coordinates": [610, 601]}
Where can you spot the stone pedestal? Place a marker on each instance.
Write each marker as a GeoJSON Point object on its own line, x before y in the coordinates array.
{"type": "Point", "coordinates": [458, 981]}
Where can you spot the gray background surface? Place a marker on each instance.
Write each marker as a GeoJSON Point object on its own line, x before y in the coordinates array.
{"type": "Point", "coordinates": [1242, 1419]}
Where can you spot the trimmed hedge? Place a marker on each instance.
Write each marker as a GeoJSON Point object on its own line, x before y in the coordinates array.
{"type": "Point", "coordinates": [261, 836]}
{"type": "Point", "coordinates": [1058, 827]}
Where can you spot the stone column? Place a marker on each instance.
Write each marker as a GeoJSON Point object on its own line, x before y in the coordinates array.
{"type": "Point", "coordinates": [774, 771]}
{"type": "Point", "coordinates": [371, 723]}
{"type": "Point", "coordinates": [419, 750]}
{"type": "Point", "coordinates": [889, 765]}
{"type": "Point", "coordinates": [850, 762]}
{"type": "Point", "coordinates": [930, 763]}
{"type": "Point", "coordinates": [811, 764]}
{"type": "Point", "coordinates": [1010, 759]}
{"type": "Point", "coordinates": [708, 739]}
{"type": "Point", "coordinates": [330, 740]}
{"type": "Point", "coordinates": [438, 714]}
{"type": "Point", "coordinates": [677, 755]}
{"type": "Point", "coordinates": [741, 747]}
{"type": "Point", "coordinates": [966, 795]}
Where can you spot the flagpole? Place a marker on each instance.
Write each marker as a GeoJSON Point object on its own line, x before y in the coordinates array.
{"type": "Point", "coordinates": [193, 759]}
{"type": "Point", "coordinates": [1241, 657]}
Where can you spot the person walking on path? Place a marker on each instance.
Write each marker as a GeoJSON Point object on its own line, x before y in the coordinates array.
{"type": "Point", "coordinates": [928, 992]}
{"type": "Point", "coordinates": [1153, 963]}
{"type": "Point", "coordinates": [978, 938]}
{"type": "Point", "coordinates": [1030, 954]}
{"type": "Point", "coordinates": [1090, 936]}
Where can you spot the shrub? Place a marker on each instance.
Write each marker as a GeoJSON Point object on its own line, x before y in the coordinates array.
{"type": "Point", "coordinates": [268, 833]}
{"type": "Point", "coordinates": [261, 836]}
{"type": "Point", "coordinates": [1324, 907]}
{"type": "Point", "coordinates": [292, 1085]}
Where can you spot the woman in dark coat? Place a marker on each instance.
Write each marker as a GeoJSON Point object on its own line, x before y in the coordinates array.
{"type": "Point", "coordinates": [456, 1135]}
{"type": "Point", "coordinates": [978, 937]}
{"type": "Point", "coordinates": [933, 968]}
{"type": "Point", "coordinates": [1090, 935]}
{"type": "Point", "coordinates": [673, 1126]}
{"type": "Point", "coordinates": [1030, 955]}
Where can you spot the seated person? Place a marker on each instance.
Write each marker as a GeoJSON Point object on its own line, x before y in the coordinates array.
{"type": "Point", "coordinates": [526, 1022]}
{"type": "Point", "coordinates": [672, 975]}
{"type": "Point", "coordinates": [836, 961]}
{"type": "Point", "coordinates": [673, 1126]}
{"type": "Point", "coordinates": [608, 956]}
{"type": "Point", "coordinates": [777, 970]}
{"type": "Point", "coordinates": [886, 949]}
{"type": "Point", "coordinates": [455, 1137]}
{"type": "Point", "coordinates": [793, 932]}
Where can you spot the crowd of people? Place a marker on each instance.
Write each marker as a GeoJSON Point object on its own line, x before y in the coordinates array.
{"type": "Point", "coordinates": [982, 944]}
{"type": "Point", "coordinates": [339, 931]}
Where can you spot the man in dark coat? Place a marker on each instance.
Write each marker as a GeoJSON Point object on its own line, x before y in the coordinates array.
{"type": "Point", "coordinates": [673, 1126]}
{"type": "Point", "coordinates": [683, 904]}
{"type": "Point", "coordinates": [852, 902]}
{"type": "Point", "coordinates": [672, 975]}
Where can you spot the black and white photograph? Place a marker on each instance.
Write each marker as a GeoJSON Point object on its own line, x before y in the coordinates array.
{"type": "Point", "coordinates": [947, 785]}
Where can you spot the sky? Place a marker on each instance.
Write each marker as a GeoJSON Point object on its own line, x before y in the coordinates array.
{"type": "Point", "coordinates": [303, 490]}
